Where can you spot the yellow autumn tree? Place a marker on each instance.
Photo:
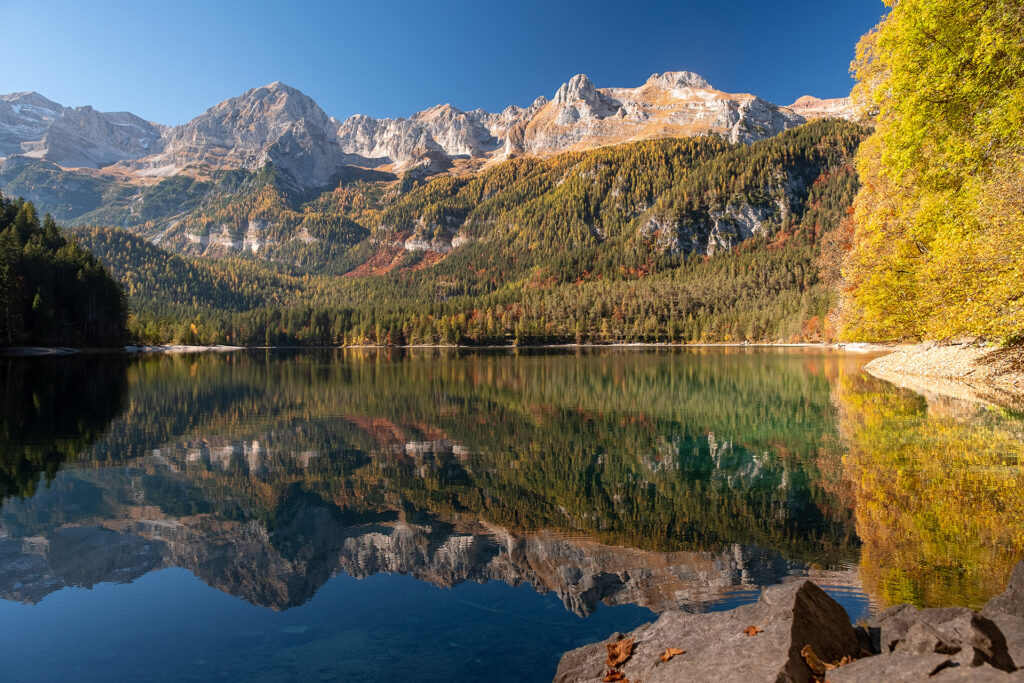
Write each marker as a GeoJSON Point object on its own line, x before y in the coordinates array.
{"type": "Point", "coordinates": [938, 245]}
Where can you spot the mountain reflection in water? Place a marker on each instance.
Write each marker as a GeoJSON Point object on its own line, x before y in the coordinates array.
{"type": "Point", "coordinates": [684, 478]}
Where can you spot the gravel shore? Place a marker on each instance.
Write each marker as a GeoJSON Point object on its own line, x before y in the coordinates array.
{"type": "Point", "coordinates": [971, 371]}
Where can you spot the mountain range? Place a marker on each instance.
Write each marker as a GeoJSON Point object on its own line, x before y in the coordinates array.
{"type": "Point", "coordinates": [67, 159]}
{"type": "Point", "coordinates": [417, 227]}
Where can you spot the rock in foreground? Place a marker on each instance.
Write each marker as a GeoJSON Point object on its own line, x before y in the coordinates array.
{"type": "Point", "coordinates": [796, 632]}
{"type": "Point", "coordinates": [719, 646]}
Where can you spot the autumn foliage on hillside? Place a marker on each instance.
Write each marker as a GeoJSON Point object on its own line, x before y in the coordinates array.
{"type": "Point", "coordinates": [633, 243]}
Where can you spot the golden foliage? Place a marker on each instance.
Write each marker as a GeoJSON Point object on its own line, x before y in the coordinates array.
{"type": "Point", "coordinates": [817, 665]}
{"type": "Point", "coordinates": [939, 494]}
{"type": "Point", "coordinates": [938, 221]}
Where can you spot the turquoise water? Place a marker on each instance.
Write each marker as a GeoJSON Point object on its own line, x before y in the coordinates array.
{"type": "Point", "coordinates": [434, 516]}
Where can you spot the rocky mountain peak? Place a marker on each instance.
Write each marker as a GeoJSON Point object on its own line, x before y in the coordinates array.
{"type": "Point", "coordinates": [578, 87]}
{"type": "Point", "coordinates": [275, 88]}
{"type": "Point", "coordinates": [274, 123]}
{"type": "Point", "coordinates": [36, 126]}
{"type": "Point", "coordinates": [275, 101]}
{"type": "Point", "coordinates": [578, 100]}
{"type": "Point", "coordinates": [679, 79]}
{"type": "Point", "coordinates": [32, 99]}
{"type": "Point", "coordinates": [440, 111]}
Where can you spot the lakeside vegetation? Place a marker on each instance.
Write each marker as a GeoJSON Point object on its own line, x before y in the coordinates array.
{"type": "Point", "coordinates": [939, 221]}
{"type": "Point", "coordinates": [52, 291]}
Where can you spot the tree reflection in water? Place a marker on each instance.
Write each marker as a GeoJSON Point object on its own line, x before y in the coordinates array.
{"type": "Point", "coordinates": [939, 493]}
{"type": "Point", "coordinates": [667, 479]}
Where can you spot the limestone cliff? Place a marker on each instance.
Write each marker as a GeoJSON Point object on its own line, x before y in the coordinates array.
{"type": "Point", "coordinates": [811, 107]}
{"type": "Point", "coordinates": [273, 124]}
{"type": "Point", "coordinates": [280, 125]}
{"type": "Point", "coordinates": [34, 126]}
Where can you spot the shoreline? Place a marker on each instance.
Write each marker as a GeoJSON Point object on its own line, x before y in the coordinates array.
{"type": "Point", "coordinates": [989, 375]}
{"type": "Point", "coordinates": [38, 351]}
{"type": "Point", "coordinates": [181, 348]}
{"type": "Point", "coordinates": [43, 351]}
{"type": "Point", "coordinates": [966, 371]}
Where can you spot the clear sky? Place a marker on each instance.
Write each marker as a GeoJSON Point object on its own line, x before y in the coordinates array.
{"type": "Point", "coordinates": [169, 61]}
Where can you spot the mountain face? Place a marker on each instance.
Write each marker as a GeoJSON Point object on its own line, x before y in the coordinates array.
{"type": "Point", "coordinates": [579, 116]}
{"type": "Point", "coordinates": [274, 124]}
{"type": "Point", "coordinates": [443, 129]}
{"type": "Point", "coordinates": [279, 125]}
{"type": "Point", "coordinates": [814, 108]}
{"type": "Point", "coordinates": [34, 126]}
{"type": "Point", "coordinates": [267, 172]}
{"type": "Point", "coordinates": [673, 104]}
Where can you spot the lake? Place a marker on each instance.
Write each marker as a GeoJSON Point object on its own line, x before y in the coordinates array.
{"type": "Point", "coordinates": [438, 515]}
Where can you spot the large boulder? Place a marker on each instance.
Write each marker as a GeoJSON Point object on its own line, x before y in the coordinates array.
{"type": "Point", "coordinates": [898, 667]}
{"type": "Point", "coordinates": [978, 674]}
{"type": "Point", "coordinates": [1011, 600]}
{"type": "Point", "coordinates": [722, 646]}
{"type": "Point", "coordinates": [965, 636]}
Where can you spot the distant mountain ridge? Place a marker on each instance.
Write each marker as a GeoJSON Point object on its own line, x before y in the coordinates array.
{"type": "Point", "coordinates": [37, 127]}
{"type": "Point", "coordinates": [280, 125]}
{"type": "Point", "coordinates": [595, 182]}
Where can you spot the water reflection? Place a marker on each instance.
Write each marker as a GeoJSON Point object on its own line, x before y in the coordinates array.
{"type": "Point", "coordinates": [50, 411]}
{"type": "Point", "coordinates": [939, 493]}
{"type": "Point", "coordinates": [668, 479]}
{"type": "Point", "coordinates": [283, 563]}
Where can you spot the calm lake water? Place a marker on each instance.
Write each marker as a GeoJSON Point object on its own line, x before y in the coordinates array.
{"type": "Point", "coordinates": [447, 516]}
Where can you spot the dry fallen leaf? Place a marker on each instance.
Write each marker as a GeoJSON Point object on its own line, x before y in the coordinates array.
{"type": "Point", "coordinates": [614, 675]}
{"type": "Point", "coordinates": [814, 661]}
{"type": "Point", "coordinates": [753, 630]}
{"type": "Point", "coordinates": [619, 652]}
{"type": "Point", "coordinates": [817, 665]}
{"type": "Point", "coordinates": [671, 652]}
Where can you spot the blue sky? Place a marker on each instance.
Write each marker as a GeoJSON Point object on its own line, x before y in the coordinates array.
{"type": "Point", "coordinates": [169, 61]}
